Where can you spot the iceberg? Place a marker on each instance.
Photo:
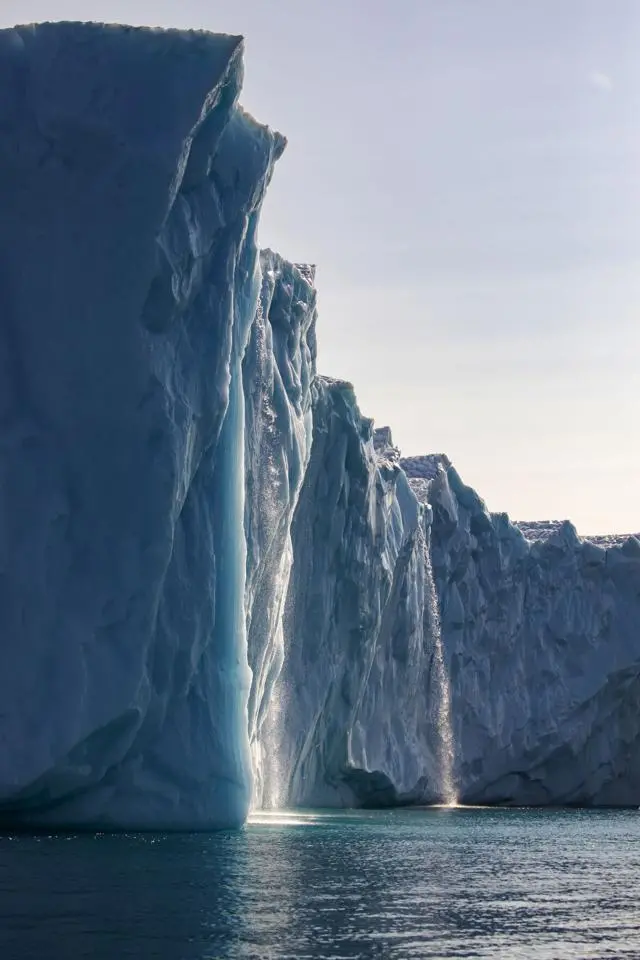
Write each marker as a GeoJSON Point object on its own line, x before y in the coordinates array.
{"type": "Point", "coordinates": [541, 630]}
{"type": "Point", "coordinates": [130, 185]}
{"type": "Point", "coordinates": [356, 700]}
{"type": "Point", "coordinates": [521, 688]}
{"type": "Point", "coordinates": [220, 586]}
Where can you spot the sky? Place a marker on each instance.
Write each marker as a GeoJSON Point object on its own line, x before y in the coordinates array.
{"type": "Point", "coordinates": [465, 176]}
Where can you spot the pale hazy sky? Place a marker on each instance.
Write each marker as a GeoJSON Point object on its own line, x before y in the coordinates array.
{"type": "Point", "coordinates": [465, 175]}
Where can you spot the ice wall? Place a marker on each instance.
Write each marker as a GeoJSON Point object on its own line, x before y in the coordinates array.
{"type": "Point", "coordinates": [532, 690]}
{"type": "Point", "coordinates": [130, 184]}
{"type": "Point", "coordinates": [358, 713]}
{"type": "Point", "coordinates": [278, 368]}
{"type": "Point", "coordinates": [209, 560]}
{"type": "Point", "coordinates": [542, 638]}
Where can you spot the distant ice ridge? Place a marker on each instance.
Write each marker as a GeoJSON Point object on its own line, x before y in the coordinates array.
{"type": "Point", "coordinates": [542, 640]}
{"type": "Point", "coordinates": [130, 185]}
{"type": "Point", "coordinates": [543, 529]}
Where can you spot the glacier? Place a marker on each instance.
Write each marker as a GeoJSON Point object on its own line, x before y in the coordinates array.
{"type": "Point", "coordinates": [278, 367]}
{"type": "Point", "coordinates": [220, 586]}
{"type": "Point", "coordinates": [130, 184]}
{"type": "Point", "coordinates": [542, 636]}
{"type": "Point", "coordinates": [359, 711]}
{"type": "Point", "coordinates": [539, 631]}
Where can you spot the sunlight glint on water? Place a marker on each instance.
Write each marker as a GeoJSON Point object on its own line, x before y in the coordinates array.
{"type": "Point", "coordinates": [380, 885]}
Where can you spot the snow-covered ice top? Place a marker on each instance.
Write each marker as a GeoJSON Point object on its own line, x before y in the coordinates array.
{"type": "Point", "coordinates": [421, 470]}
{"type": "Point", "coordinates": [535, 530]}
{"type": "Point", "coordinates": [425, 467]}
{"type": "Point", "coordinates": [385, 449]}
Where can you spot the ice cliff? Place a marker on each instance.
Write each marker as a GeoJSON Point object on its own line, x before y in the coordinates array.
{"type": "Point", "coordinates": [358, 710]}
{"type": "Point", "coordinates": [528, 689]}
{"type": "Point", "coordinates": [278, 367]}
{"type": "Point", "coordinates": [130, 185]}
{"type": "Point", "coordinates": [542, 637]}
{"type": "Point", "coordinates": [218, 584]}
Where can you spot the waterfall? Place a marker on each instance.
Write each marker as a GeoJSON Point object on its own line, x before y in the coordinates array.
{"type": "Point", "coordinates": [277, 502]}
{"type": "Point", "coordinates": [267, 735]}
{"type": "Point", "coordinates": [272, 751]}
{"type": "Point", "coordinates": [446, 745]}
{"type": "Point", "coordinates": [269, 743]}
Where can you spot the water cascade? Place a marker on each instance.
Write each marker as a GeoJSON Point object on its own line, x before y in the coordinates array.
{"type": "Point", "coordinates": [271, 750]}
{"type": "Point", "coordinates": [276, 568]}
{"type": "Point", "coordinates": [447, 786]}
{"type": "Point", "coordinates": [279, 365]}
{"type": "Point", "coordinates": [267, 741]}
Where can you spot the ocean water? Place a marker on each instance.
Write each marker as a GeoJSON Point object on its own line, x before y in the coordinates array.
{"type": "Point", "coordinates": [449, 883]}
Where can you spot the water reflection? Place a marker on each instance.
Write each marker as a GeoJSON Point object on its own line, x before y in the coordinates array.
{"type": "Point", "coordinates": [441, 883]}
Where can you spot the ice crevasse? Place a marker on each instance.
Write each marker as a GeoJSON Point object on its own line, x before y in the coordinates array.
{"type": "Point", "coordinates": [219, 585]}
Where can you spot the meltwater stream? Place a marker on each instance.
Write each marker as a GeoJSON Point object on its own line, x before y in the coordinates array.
{"type": "Point", "coordinates": [446, 743]}
{"type": "Point", "coordinates": [396, 885]}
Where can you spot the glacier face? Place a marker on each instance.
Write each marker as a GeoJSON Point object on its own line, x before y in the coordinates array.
{"type": "Point", "coordinates": [218, 583]}
{"type": "Point", "coordinates": [130, 184]}
{"type": "Point", "coordinates": [357, 711]}
{"type": "Point", "coordinates": [542, 641]}
{"type": "Point", "coordinates": [539, 642]}
{"type": "Point", "coordinates": [278, 368]}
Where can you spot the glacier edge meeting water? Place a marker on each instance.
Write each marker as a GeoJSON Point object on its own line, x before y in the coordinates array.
{"type": "Point", "coordinates": [125, 682]}
{"type": "Point", "coordinates": [220, 585]}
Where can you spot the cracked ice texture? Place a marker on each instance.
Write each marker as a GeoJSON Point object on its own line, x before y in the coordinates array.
{"type": "Point", "coordinates": [278, 369]}
{"type": "Point", "coordinates": [130, 184]}
{"type": "Point", "coordinates": [542, 636]}
{"type": "Point", "coordinates": [358, 718]}
{"type": "Point", "coordinates": [151, 367]}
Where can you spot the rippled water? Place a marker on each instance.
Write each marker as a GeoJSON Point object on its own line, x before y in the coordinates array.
{"type": "Point", "coordinates": [449, 883]}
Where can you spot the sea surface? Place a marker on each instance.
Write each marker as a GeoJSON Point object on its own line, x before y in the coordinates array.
{"type": "Point", "coordinates": [422, 883]}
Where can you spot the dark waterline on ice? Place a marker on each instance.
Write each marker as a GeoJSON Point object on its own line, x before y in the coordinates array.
{"type": "Point", "coordinates": [454, 882]}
